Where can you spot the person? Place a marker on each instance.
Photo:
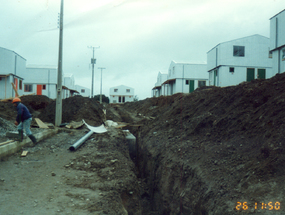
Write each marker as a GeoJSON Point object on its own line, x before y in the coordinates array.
{"type": "Point", "coordinates": [23, 120]}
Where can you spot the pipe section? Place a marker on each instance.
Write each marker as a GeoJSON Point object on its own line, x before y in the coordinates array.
{"type": "Point", "coordinates": [80, 141]}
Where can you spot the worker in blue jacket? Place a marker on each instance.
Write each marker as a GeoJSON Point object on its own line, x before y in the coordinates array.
{"type": "Point", "coordinates": [23, 120]}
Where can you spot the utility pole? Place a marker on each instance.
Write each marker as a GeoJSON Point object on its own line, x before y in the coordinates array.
{"type": "Point", "coordinates": [93, 61]}
{"type": "Point", "coordinates": [58, 109]}
{"type": "Point", "coordinates": [101, 84]}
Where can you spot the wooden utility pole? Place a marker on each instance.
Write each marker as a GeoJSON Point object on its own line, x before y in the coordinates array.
{"type": "Point", "coordinates": [58, 110]}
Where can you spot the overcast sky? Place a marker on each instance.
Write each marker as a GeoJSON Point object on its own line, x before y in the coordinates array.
{"type": "Point", "coordinates": [137, 38]}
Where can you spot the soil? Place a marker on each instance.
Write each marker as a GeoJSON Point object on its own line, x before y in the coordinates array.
{"type": "Point", "coordinates": [213, 151]}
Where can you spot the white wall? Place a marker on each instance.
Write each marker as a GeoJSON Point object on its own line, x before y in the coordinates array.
{"type": "Point", "coordinates": [40, 75]}
{"type": "Point", "coordinates": [182, 72]}
{"type": "Point", "coordinates": [83, 90]}
{"type": "Point", "coordinates": [277, 42]}
{"type": "Point", "coordinates": [256, 55]}
{"type": "Point", "coordinates": [277, 21]}
{"type": "Point", "coordinates": [11, 62]}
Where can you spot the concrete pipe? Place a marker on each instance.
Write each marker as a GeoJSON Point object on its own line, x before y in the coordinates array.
{"type": "Point", "coordinates": [80, 141]}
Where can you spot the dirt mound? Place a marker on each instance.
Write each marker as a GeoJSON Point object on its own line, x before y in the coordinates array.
{"type": "Point", "coordinates": [75, 108]}
{"type": "Point", "coordinates": [36, 102]}
{"type": "Point", "coordinates": [213, 145]}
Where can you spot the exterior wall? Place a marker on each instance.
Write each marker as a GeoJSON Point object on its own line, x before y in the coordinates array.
{"type": "Point", "coordinates": [180, 75]}
{"type": "Point", "coordinates": [221, 58]}
{"type": "Point", "coordinates": [6, 89]}
{"type": "Point", "coordinates": [277, 30]}
{"type": "Point", "coordinates": [277, 42]}
{"type": "Point", "coordinates": [225, 78]}
{"type": "Point", "coordinates": [41, 76]}
{"type": "Point", "coordinates": [118, 93]}
{"type": "Point", "coordinates": [157, 90]}
{"type": "Point", "coordinates": [83, 90]}
{"type": "Point", "coordinates": [11, 62]}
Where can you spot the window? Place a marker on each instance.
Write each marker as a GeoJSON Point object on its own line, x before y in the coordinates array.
{"type": "Point", "coordinates": [187, 82]}
{"type": "Point", "coordinates": [239, 51]}
{"type": "Point", "coordinates": [232, 69]}
{"type": "Point", "coordinates": [201, 83]}
{"type": "Point", "coordinates": [28, 88]}
{"type": "Point", "coordinates": [21, 84]}
{"type": "Point", "coordinates": [82, 90]}
{"type": "Point", "coordinates": [44, 87]}
{"type": "Point", "coordinates": [128, 90]}
{"type": "Point", "coordinates": [115, 90]}
{"type": "Point", "coordinates": [283, 54]}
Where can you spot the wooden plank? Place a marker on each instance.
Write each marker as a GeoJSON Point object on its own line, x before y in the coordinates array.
{"type": "Point", "coordinates": [16, 91]}
{"type": "Point", "coordinates": [24, 153]}
{"type": "Point", "coordinates": [40, 123]}
{"type": "Point", "coordinates": [9, 141]}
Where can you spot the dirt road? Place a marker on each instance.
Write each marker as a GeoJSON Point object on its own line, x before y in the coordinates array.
{"type": "Point", "coordinates": [98, 178]}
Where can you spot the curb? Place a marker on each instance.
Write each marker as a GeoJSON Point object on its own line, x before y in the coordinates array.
{"type": "Point", "coordinates": [12, 147]}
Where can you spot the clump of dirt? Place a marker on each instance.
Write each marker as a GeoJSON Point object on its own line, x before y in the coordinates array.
{"type": "Point", "coordinates": [212, 146]}
{"type": "Point", "coordinates": [75, 108]}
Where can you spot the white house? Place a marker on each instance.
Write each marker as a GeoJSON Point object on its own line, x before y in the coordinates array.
{"type": "Point", "coordinates": [40, 80]}
{"type": "Point", "coordinates": [244, 59]}
{"type": "Point", "coordinates": [82, 90]}
{"type": "Point", "coordinates": [158, 89]}
{"type": "Point", "coordinates": [12, 66]}
{"type": "Point", "coordinates": [185, 78]}
{"type": "Point", "coordinates": [121, 94]}
{"type": "Point", "coordinates": [277, 42]}
{"type": "Point", "coordinates": [68, 85]}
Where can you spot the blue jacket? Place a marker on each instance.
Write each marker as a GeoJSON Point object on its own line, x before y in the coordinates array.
{"type": "Point", "coordinates": [23, 113]}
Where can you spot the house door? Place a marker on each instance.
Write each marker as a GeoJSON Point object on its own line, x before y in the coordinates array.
{"type": "Point", "coordinates": [261, 73]}
{"type": "Point", "coordinates": [39, 89]}
{"type": "Point", "coordinates": [123, 99]}
{"type": "Point", "coordinates": [191, 86]}
{"type": "Point", "coordinates": [215, 77]}
{"type": "Point", "coordinates": [249, 74]}
{"type": "Point", "coordinates": [120, 99]}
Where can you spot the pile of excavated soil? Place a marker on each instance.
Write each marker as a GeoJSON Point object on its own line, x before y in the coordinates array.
{"type": "Point", "coordinates": [75, 108]}
{"type": "Point", "coordinates": [212, 148]}
{"type": "Point", "coordinates": [34, 103]}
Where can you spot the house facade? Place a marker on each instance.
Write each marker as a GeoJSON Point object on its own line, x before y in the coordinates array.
{"type": "Point", "coordinates": [68, 88]}
{"type": "Point", "coordinates": [40, 80]}
{"type": "Point", "coordinates": [277, 42]}
{"type": "Point", "coordinates": [83, 91]}
{"type": "Point", "coordinates": [12, 66]}
{"type": "Point", "coordinates": [244, 59]}
{"type": "Point", "coordinates": [184, 78]}
{"type": "Point", "coordinates": [121, 94]}
{"type": "Point", "coordinates": [159, 89]}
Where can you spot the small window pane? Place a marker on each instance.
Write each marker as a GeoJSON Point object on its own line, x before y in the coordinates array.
{"type": "Point", "coordinates": [239, 51]}
{"type": "Point", "coordinates": [232, 69]}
